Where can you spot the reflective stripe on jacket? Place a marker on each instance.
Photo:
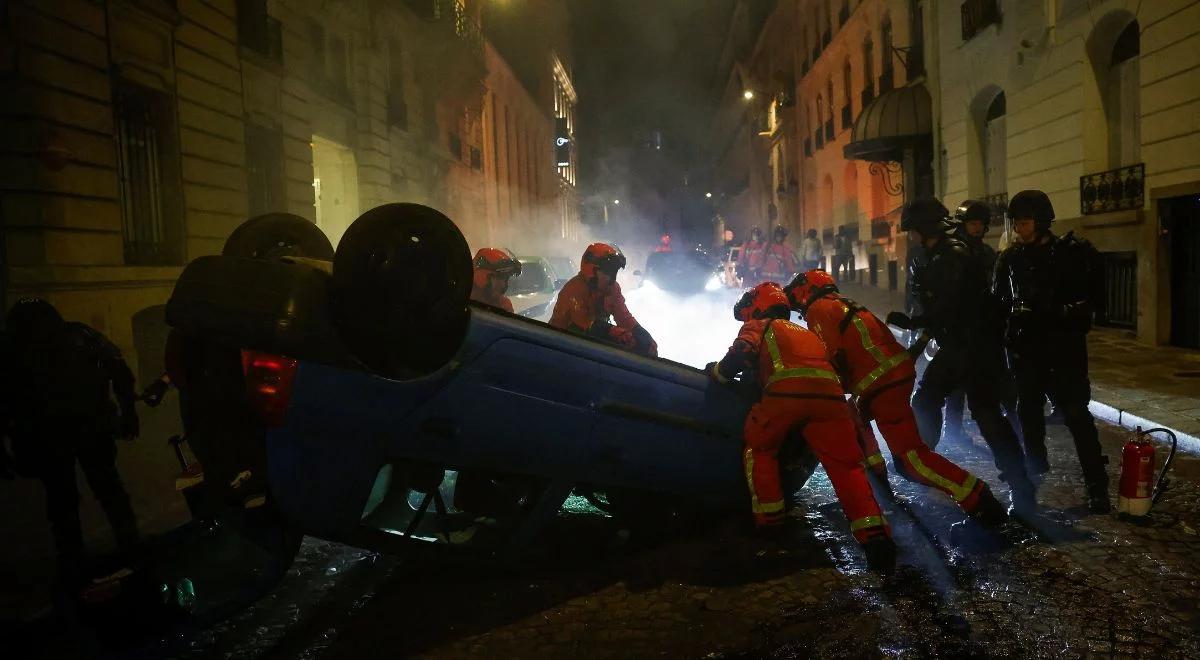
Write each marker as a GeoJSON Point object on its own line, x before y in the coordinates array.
{"type": "Point", "coordinates": [791, 360]}
{"type": "Point", "coordinates": [858, 343]}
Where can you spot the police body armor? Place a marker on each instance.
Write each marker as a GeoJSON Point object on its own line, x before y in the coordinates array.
{"type": "Point", "coordinates": [1050, 287]}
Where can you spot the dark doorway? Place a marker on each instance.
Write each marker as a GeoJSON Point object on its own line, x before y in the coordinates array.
{"type": "Point", "coordinates": [1180, 218]}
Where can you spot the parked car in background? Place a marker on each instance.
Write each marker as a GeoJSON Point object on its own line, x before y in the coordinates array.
{"type": "Point", "coordinates": [564, 269]}
{"type": "Point", "coordinates": [535, 290]}
{"type": "Point", "coordinates": [683, 272]}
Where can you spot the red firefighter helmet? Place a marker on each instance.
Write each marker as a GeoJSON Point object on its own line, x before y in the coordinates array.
{"type": "Point", "coordinates": [492, 262]}
{"type": "Point", "coordinates": [809, 286]}
{"type": "Point", "coordinates": [603, 257]}
{"type": "Point", "coordinates": [767, 300]}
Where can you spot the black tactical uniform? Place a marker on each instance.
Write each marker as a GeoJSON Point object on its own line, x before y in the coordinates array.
{"type": "Point", "coordinates": [984, 257]}
{"type": "Point", "coordinates": [952, 292]}
{"type": "Point", "coordinates": [1049, 287]}
{"type": "Point", "coordinates": [57, 386]}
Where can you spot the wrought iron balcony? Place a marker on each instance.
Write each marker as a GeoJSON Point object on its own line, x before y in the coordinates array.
{"type": "Point", "coordinates": [977, 15]}
{"type": "Point", "coordinates": [1122, 189]}
{"type": "Point", "coordinates": [999, 204]}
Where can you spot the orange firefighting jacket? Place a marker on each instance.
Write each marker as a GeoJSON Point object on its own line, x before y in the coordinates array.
{"type": "Point", "coordinates": [484, 296]}
{"type": "Point", "coordinates": [778, 262]}
{"type": "Point", "coordinates": [579, 306]}
{"type": "Point", "coordinates": [752, 253]}
{"type": "Point", "coordinates": [791, 360]}
{"type": "Point", "coordinates": [858, 344]}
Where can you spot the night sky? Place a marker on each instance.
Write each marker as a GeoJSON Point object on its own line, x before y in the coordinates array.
{"type": "Point", "coordinates": [643, 64]}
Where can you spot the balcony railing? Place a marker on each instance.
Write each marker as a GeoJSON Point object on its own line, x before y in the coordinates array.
{"type": "Point", "coordinates": [978, 14]}
{"type": "Point", "coordinates": [868, 95]}
{"type": "Point", "coordinates": [847, 116]}
{"type": "Point", "coordinates": [829, 130]}
{"type": "Point", "coordinates": [1122, 189]}
{"type": "Point", "coordinates": [887, 80]}
{"type": "Point", "coordinates": [999, 204]}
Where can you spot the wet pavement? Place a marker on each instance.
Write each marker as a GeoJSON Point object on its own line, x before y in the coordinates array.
{"type": "Point", "coordinates": [1077, 586]}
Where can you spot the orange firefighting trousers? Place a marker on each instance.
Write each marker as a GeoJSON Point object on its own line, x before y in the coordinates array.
{"type": "Point", "coordinates": [828, 428]}
{"type": "Point", "coordinates": [890, 408]}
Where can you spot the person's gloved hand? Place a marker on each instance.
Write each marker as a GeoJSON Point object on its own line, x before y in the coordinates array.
{"type": "Point", "coordinates": [711, 370]}
{"type": "Point", "coordinates": [153, 395]}
{"type": "Point", "coordinates": [622, 336]}
{"type": "Point", "coordinates": [131, 426]}
{"type": "Point", "coordinates": [900, 320]}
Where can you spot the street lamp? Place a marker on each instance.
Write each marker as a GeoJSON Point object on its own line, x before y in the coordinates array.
{"type": "Point", "coordinates": [708, 195]}
{"type": "Point", "coordinates": [617, 202]}
{"type": "Point", "coordinates": [748, 95]}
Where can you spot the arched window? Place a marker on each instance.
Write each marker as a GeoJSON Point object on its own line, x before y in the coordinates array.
{"type": "Point", "coordinates": [995, 177]}
{"type": "Point", "coordinates": [847, 87]}
{"type": "Point", "coordinates": [1123, 109]}
{"type": "Point", "coordinates": [885, 39]}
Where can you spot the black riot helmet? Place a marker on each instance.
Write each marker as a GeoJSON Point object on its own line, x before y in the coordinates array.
{"type": "Point", "coordinates": [926, 216]}
{"type": "Point", "coordinates": [1032, 204]}
{"type": "Point", "coordinates": [974, 210]}
{"type": "Point", "coordinates": [32, 319]}
{"type": "Point", "coordinates": [756, 235]}
{"type": "Point", "coordinates": [779, 234]}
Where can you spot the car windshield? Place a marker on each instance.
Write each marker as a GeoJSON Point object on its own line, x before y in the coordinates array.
{"type": "Point", "coordinates": [533, 278]}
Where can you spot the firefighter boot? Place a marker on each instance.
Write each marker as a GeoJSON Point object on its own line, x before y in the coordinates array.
{"type": "Point", "coordinates": [1096, 487]}
{"type": "Point", "coordinates": [988, 511]}
{"type": "Point", "coordinates": [979, 532]}
{"type": "Point", "coordinates": [881, 554]}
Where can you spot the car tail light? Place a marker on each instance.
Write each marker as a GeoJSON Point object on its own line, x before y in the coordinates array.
{"type": "Point", "coordinates": [269, 384]}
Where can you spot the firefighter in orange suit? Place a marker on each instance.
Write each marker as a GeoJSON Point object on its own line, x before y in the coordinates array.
{"type": "Point", "coordinates": [493, 269]}
{"type": "Point", "coordinates": [800, 392]}
{"type": "Point", "coordinates": [587, 302]}
{"type": "Point", "coordinates": [879, 373]}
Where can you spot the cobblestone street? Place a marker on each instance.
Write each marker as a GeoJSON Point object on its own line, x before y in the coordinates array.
{"type": "Point", "coordinates": [1081, 586]}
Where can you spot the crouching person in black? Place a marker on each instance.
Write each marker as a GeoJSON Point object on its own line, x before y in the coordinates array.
{"type": "Point", "coordinates": [57, 384]}
{"type": "Point", "coordinates": [1048, 285]}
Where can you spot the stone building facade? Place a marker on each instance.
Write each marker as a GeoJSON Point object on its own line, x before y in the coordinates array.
{"type": "Point", "coordinates": [1098, 104]}
{"type": "Point", "coordinates": [137, 134]}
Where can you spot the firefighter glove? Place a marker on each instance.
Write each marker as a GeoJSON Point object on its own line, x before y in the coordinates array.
{"type": "Point", "coordinates": [713, 369]}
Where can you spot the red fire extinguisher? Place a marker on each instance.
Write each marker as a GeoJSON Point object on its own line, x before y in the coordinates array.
{"type": "Point", "coordinates": [1135, 496]}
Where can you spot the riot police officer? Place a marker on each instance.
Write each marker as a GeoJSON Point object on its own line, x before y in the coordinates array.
{"type": "Point", "coordinates": [974, 218]}
{"type": "Point", "coordinates": [953, 290]}
{"type": "Point", "coordinates": [1048, 286]}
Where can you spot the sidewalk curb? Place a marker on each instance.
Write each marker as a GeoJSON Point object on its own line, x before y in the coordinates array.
{"type": "Point", "coordinates": [1126, 419]}
{"type": "Point", "coordinates": [1123, 418]}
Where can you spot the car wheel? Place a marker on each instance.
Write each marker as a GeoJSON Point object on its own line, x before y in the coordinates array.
{"type": "Point", "coordinates": [402, 279]}
{"type": "Point", "coordinates": [277, 235]}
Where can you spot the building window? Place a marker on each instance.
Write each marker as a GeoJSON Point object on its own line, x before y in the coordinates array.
{"type": "Point", "coordinates": [455, 145]}
{"type": "Point", "coordinates": [978, 14]}
{"type": "Point", "coordinates": [338, 67]}
{"type": "Point", "coordinates": [916, 51]}
{"type": "Point", "coordinates": [868, 94]}
{"type": "Point", "coordinates": [264, 170]}
{"type": "Point", "coordinates": [829, 109]}
{"type": "Point", "coordinates": [1122, 105]}
{"type": "Point", "coordinates": [259, 32]}
{"type": "Point", "coordinates": [148, 165]}
{"type": "Point", "coordinates": [995, 178]}
{"type": "Point", "coordinates": [847, 96]}
{"type": "Point", "coordinates": [887, 76]}
{"type": "Point", "coordinates": [316, 49]}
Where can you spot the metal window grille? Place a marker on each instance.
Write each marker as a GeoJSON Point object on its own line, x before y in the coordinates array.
{"type": "Point", "coordinates": [1119, 305]}
{"type": "Point", "coordinates": [143, 218]}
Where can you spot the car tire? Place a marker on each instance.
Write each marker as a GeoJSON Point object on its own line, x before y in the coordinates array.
{"type": "Point", "coordinates": [401, 280]}
{"type": "Point", "coordinates": [277, 235]}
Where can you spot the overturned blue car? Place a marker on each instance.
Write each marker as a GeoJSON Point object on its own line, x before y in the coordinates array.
{"type": "Point", "coordinates": [395, 414]}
